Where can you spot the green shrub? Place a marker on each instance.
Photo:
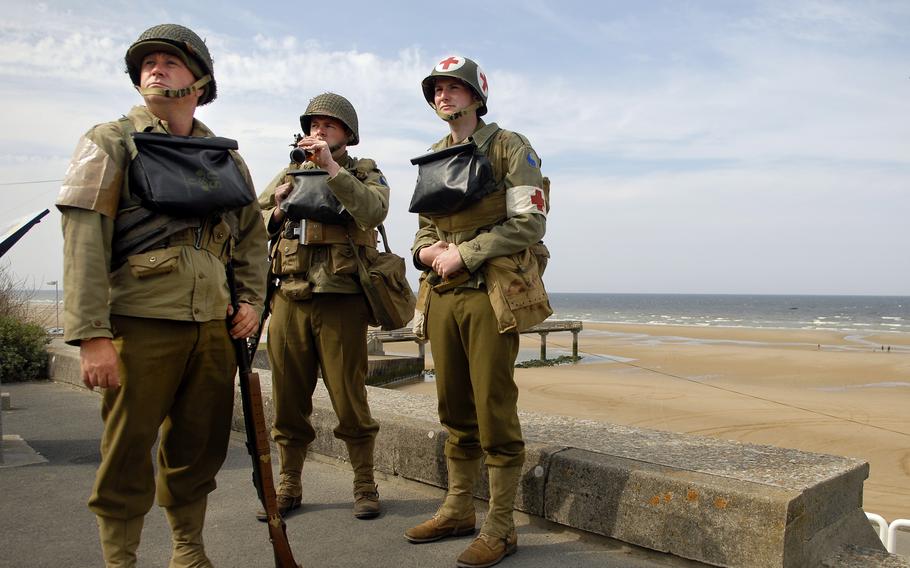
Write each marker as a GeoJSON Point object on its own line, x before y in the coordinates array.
{"type": "Point", "coordinates": [23, 355]}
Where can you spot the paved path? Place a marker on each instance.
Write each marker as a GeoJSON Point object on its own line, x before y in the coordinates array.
{"type": "Point", "coordinates": [44, 521]}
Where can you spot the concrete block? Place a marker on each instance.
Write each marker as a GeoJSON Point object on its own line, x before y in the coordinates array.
{"type": "Point", "coordinates": [535, 477]}
{"type": "Point", "coordinates": [5, 401]}
{"type": "Point", "coordinates": [412, 448]}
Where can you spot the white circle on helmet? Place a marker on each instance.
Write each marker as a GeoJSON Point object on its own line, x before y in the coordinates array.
{"type": "Point", "coordinates": [482, 82]}
{"type": "Point", "coordinates": [450, 63]}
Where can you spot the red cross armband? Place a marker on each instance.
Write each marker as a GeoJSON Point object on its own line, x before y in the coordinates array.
{"type": "Point", "coordinates": [523, 199]}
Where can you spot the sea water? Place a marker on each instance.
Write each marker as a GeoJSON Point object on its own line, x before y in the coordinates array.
{"type": "Point", "coordinates": [849, 313]}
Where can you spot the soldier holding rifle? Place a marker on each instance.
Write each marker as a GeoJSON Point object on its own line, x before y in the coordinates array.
{"type": "Point", "coordinates": [145, 248]}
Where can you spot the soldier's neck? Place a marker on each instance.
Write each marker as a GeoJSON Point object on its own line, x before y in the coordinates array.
{"type": "Point", "coordinates": [462, 127]}
{"type": "Point", "coordinates": [179, 117]}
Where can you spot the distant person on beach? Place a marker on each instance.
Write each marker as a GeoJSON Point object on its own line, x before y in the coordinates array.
{"type": "Point", "coordinates": [319, 312]}
{"type": "Point", "coordinates": [480, 286]}
{"type": "Point", "coordinates": [147, 294]}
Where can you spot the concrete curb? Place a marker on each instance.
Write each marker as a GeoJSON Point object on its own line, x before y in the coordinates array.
{"type": "Point", "coordinates": [718, 502]}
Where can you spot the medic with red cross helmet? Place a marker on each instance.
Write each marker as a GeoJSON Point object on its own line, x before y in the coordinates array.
{"type": "Point", "coordinates": [482, 260]}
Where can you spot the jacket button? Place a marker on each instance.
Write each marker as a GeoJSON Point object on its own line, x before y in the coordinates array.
{"type": "Point", "coordinates": [153, 258]}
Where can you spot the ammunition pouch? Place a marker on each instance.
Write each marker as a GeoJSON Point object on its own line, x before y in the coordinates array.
{"type": "Point", "coordinates": [516, 291]}
{"type": "Point", "coordinates": [451, 179]}
{"type": "Point", "coordinates": [289, 258]}
{"type": "Point", "coordinates": [184, 176]}
{"type": "Point", "coordinates": [312, 199]}
{"type": "Point", "coordinates": [296, 289]}
{"type": "Point", "coordinates": [302, 243]}
{"type": "Point", "coordinates": [315, 233]}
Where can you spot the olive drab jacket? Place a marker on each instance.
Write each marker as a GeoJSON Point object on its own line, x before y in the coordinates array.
{"type": "Point", "coordinates": [496, 232]}
{"type": "Point", "coordinates": [184, 280]}
{"type": "Point", "coordinates": [325, 264]}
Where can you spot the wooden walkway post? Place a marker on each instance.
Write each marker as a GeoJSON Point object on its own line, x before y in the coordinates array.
{"type": "Point", "coordinates": [548, 326]}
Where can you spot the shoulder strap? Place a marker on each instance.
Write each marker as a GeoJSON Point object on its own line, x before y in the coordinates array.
{"type": "Point", "coordinates": [385, 239]}
{"type": "Point", "coordinates": [126, 133]}
{"type": "Point", "coordinates": [497, 154]}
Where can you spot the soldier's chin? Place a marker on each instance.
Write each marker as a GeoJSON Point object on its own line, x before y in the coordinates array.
{"type": "Point", "coordinates": [158, 99]}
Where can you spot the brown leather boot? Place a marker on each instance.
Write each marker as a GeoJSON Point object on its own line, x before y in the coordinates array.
{"type": "Point", "coordinates": [366, 496]}
{"type": "Point", "coordinates": [291, 460]}
{"type": "Point", "coordinates": [286, 504]}
{"type": "Point", "coordinates": [456, 515]}
{"type": "Point", "coordinates": [186, 531]}
{"type": "Point", "coordinates": [440, 527]}
{"type": "Point", "coordinates": [366, 502]}
{"type": "Point", "coordinates": [497, 538]}
{"type": "Point", "coordinates": [487, 550]}
{"type": "Point", "coordinates": [119, 540]}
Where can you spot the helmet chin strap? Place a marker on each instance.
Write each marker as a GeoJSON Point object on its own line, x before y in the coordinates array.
{"type": "Point", "coordinates": [175, 93]}
{"type": "Point", "coordinates": [458, 114]}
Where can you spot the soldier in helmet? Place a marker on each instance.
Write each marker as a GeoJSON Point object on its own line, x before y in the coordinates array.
{"type": "Point", "coordinates": [321, 212]}
{"type": "Point", "coordinates": [481, 286]}
{"type": "Point", "coordinates": [147, 299]}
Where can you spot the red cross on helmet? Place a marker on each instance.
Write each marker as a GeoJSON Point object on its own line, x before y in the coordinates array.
{"type": "Point", "coordinates": [463, 69]}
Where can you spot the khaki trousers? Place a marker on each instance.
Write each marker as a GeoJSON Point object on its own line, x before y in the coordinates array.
{"type": "Point", "coordinates": [329, 333]}
{"type": "Point", "coordinates": [177, 382]}
{"type": "Point", "coordinates": [478, 398]}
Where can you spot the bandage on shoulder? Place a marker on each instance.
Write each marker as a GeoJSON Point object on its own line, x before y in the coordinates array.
{"type": "Point", "coordinates": [92, 180]}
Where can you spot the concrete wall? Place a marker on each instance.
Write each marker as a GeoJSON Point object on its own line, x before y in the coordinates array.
{"type": "Point", "coordinates": [718, 502]}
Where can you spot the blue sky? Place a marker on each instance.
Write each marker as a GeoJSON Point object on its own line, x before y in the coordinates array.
{"type": "Point", "coordinates": [693, 147]}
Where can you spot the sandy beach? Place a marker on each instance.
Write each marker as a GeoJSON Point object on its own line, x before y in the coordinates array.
{"type": "Point", "coordinates": [822, 391]}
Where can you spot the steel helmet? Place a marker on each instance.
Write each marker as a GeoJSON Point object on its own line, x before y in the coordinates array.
{"type": "Point", "coordinates": [335, 106]}
{"type": "Point", "coordinates": [465, 70]}
{"type": "Point", "coordinates": [182, 42]}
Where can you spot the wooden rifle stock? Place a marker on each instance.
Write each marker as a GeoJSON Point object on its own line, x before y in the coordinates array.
{"type": "Point", "coordinates": [257, 443]}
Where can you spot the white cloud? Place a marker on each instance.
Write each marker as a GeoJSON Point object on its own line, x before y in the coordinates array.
{"type": "Point", "coordinates": [703, 147]}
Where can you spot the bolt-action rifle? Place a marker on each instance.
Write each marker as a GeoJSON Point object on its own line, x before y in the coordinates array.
{"type": "Point", "coordinates": [257, 443]}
